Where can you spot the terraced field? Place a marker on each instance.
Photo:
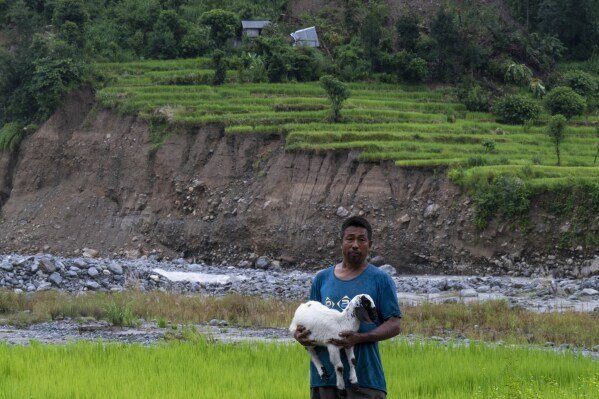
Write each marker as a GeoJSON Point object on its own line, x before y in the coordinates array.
{"type": "Point", "coordinates": [414, 126]}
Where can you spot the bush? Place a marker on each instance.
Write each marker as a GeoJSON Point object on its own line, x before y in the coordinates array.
{"type": "Point", "coordinates": [11, 135]}
{"type": "Point", "coordinates": [337, 92]}
{"type": "Point", "coordinates": [516, 109]}
{"type": "Point", "coordinates": [120, 315]}
{"type": "Point", "coordinates": [519, 74]}
{"type": "Point", "coordinates": [563, 100]}
{"type": "Point", "coordinates": [476, 100]}
{"type": "Point", "coordinates": [582, 83]}
{"type": "Point", "coordinates": [556, 130]}
{"type": "Point", "coordinates": [506, 196]}
{"type": "Point", "coordinates": [410, 67]}
{"type": "Point", "coordinates": [220, 67]}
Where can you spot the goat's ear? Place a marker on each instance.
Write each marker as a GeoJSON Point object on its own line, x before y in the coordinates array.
{"type": "Point", "coordinates": [362, 314]}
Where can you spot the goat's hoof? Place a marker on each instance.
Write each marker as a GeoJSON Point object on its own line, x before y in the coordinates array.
{"type": "Point", "coordinates": [341, 393]}
{"type": "Point", "coordinates": [354, 387]}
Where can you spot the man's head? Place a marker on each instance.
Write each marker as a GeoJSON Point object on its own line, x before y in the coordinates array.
{"type": "Point", "coordinates": [356, 240]}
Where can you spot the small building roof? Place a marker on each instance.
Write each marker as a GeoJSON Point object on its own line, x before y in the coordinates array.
{"type": "Point", "coordinates": [254, 24]}
{"type": "Point", "coordinates": [306, 37]}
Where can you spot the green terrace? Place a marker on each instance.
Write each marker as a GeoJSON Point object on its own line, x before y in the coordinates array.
{"type": "Point", "coordinates": [414, 126]}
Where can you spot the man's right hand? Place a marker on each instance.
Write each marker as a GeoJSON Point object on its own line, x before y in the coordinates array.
{"type": "Point", "coordinates": [302, 335]}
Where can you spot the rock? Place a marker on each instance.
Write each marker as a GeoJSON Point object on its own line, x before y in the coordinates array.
{"type": "Point", "coordinates": [55, 279]}
{"type": "Point", "coordinates": [262, 263]}
{"type": "Point", "coordinates": [92, 272]}
{"type": "Point", "coordinates": [468, 293]}
{"type": "Point", "coordinates": [244, 264]}
{"type": "Point", "coordinates": [30, 288]}
{"type": "Point", "coordinates": [154, 277]}
{"type": "Point", "coordinates": [6, 266]}
{"type": "Point", "coordinates": [214, 322]}
{"type": "Point", "coordinates": [90, 253]}
{"type": "Point", "coordinates": [92, 285]}
{"type": "Point", "coordinates": [405, 219]}
{"type": "Point", "coordinates": [431, 210]}
{"type": "Point", "coordinates": [342, 212]}
{"type": "Point", "coordinates": [47, 265]}
{"type": "Point", "coordinates": [133, 254]}
{"type": "Point", "coordinates": [389, 270]}
{"type": "Point", "coordinates": [44, 286]}
{"type": "Point", "coordinates": [81, 263]}
{"type": "Point", "coordinates": [589, 292]}
{"type": "Point", "coordinates": [115, 268]}
{"type": "Point", "coordinates": [275, 265]}
{"type": "Point", "coordinates": [378, 260]}
{"type": "Point", "coordinates": [483, 289]}
{"type": "Point", "coordinates": [592, 269]}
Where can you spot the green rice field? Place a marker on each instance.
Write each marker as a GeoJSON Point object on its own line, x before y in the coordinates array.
{"type": "Point", "coordinates": [203, 369]}
{"type": "Point", "coordinates": [414, 126]}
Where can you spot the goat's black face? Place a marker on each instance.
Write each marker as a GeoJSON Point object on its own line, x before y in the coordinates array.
{"type": "Point", "coordinates": [365, 310]}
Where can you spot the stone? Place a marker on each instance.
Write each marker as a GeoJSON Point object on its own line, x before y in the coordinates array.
{"type": "Point", "coordinates": [390, 270]}
{"type": "Point", "coordinates": [244, 264]}
{"type": "Point", "coordinates": [90, 253]}
{"type": "Point", "coordinates": [80, 263]}
{"type": "Point", "coordinates": [592, 269]}
{"type": "Point", "coordinates": [262, 263]}
{"type": "Point", "coordinates": [92, 272]}
{"type": "Point", "coordinates": [47, 265]}
{"type": "Point", "coordinates": [483, 289]}
{"type": "Point", "coordinates": [92, 285]}
{"type": "Point", "coordinates": [30, 287]}
{"type": "Point", "coordinates": [214, 322]}
{"type": "Point", "coordinates": [431, 210]}
{"type": "Point", "coordinates": [115, 268]}
{"type": "Point", "coordinates": [55, 279]}
{"type": "Point", "coordinates": [589, 292]}
{"type": "Point", "coordinates": [342, 212]}
{"type": "Point", "coordinates": [378, 260]}
{"type": "Point", "coordinates": [468, 293]}
{"type": "Point", "coordinates": [44, 286]}
{"type": "Point", "coordinates": [154, 277]}
{"type": "Point", "coordinates": [405, 219]}
{"type": "Point", "coordinates": [275, 265]}
{"type": "Point", "coordinates": [6, 266]}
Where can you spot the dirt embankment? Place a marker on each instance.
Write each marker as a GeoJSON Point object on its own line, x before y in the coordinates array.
{"type": "Point", "coordinates": [89, 178]}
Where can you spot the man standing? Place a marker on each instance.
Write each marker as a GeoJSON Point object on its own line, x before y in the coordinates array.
{"type": "Point", "coordinates": [334, 287]}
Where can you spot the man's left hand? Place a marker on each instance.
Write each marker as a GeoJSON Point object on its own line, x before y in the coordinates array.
{"type": "Point", "coordinates": [349, 339]}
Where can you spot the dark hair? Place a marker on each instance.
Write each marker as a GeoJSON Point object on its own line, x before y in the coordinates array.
{"type": "Point", "coordinates": [356, 221]}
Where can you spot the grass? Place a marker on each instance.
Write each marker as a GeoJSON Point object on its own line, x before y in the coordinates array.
{"type": "Point", "coordinates": [270, 370]}
{"type": "Point", "coordinates": [409, 125]}
{"type": "Point", "coordinates": [488, 321]}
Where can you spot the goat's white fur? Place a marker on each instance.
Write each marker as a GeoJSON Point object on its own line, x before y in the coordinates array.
{"type": "Point", "coordinates": [325, 324]}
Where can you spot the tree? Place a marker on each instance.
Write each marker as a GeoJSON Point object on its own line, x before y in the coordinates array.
{"type": "Point", "coordinates": [597, 153]}
{"type": "Point", "coordinates": [563, 100]}
{"type": "Point", "coordinates": [556, 130]}
{"type": "Point", "coordinates": [516, 109]}
{"type": "Point", "coordinates": [408, 32]}
{"type": "Point", "coordinates": [337, 92]}
{"type": "Point", "coordinates": [223, 25]}
{"type": "Point", "coordinates": [220, 67]}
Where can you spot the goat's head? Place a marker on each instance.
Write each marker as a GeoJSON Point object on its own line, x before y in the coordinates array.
{"type": "Point", "coordinates": [364, 308]}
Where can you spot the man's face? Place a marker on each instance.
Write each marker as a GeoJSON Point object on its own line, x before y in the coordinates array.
{"type": "Point", "coordinates": [355, 245]}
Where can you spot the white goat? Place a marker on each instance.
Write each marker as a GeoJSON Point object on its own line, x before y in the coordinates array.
{"type": "Point", "coordinates": [325, 324]}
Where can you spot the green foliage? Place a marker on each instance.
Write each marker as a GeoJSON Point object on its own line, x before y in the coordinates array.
{"type": "Point", "coordinates": [563, 100]}
{"type": "Point", "coordinates": [350, 60]}
{"type": "Point", "coordinates": [220, 67]}
{"type": "Point", "coordinates": [120, 315]}
{"type": "Point", "coordinates": [489, 145]}
{"type": "Point", "coordinates": [519, 74]}
{"type": "Point", "coordinates": [337, 92]}
{"type": "Point", "coordinates": [410, 68]}
{"type": "Point", "coordinates": [556, 131]}
{"type": "Point", "coordinates": [581, 82]}
{"type": "Point", "coordinates": [408, 31]}
{"type": "Point", "coordinates": [11, 135]}
{"type": "Point", "coordinates": [516, 109]}
{"type": "Point", "coordinates": [506, 196]}
{"type": "Point", "coordinates": [537, 88]}
{"type": "Point", "coordinates": [476, 99]}
{"type": "Point", "coordinates": [223, 25]}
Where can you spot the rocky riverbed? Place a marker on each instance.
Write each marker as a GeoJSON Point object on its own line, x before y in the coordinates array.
{"type": "Point", "coordinates": [263, 277]}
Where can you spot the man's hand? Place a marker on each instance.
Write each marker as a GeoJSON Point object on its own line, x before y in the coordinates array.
{"type": "Point", "coordinates": [302, 335]}
{"type": "Point", "coordinates": [349, 339]}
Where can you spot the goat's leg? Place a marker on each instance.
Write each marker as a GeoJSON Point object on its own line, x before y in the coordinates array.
{"type": "Point", "coordinates": [335, 356]}
{"type": "Point", "coordinates": [351, 359]}
{"type": "Point", "coordinates": [322, 372]}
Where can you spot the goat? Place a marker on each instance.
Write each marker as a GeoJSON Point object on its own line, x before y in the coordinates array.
{"type": "Point", "coordinates": [325, 324]}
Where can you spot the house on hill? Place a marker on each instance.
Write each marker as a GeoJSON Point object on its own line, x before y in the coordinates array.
{"type": "Point", "coordinates": [253, 28]}
{"type": "Point", "coordinates": [306, 37]}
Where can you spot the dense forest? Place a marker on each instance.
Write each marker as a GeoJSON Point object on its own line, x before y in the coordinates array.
{"type": "Point", "coordinates": [487, 49]}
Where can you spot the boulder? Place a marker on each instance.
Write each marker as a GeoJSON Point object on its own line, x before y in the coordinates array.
{"type": "Point", "coordinates": [47, 265]}
{"type": "Point", "coordinates": [92, 272]}
{"type": "Point", "coordinates": [389, 270]}
{"type": "Point", "coordinates": [55, 279]}
{"type": "Point", "coordinates": [468, 293]}
{"type": "Point", "coordinates": [115, 268]}
{"type": "Point", "coordinates": [342, 212]}
{"type": "Point", "coordinates": [262, 263]}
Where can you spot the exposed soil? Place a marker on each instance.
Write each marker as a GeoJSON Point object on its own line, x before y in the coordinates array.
{"type": "Point", "coordinates": [90, 178]}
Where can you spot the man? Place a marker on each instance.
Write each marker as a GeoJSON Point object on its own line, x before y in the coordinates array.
{"type": "Point", "coordinates": [334, 287]}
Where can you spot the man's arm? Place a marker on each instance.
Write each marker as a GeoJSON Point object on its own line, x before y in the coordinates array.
{"type": "Point", "coordinates": [389, 329]}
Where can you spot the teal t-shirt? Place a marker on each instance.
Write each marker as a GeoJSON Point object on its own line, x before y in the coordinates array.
{"type": "Point", "coordinates": [336, 294]}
